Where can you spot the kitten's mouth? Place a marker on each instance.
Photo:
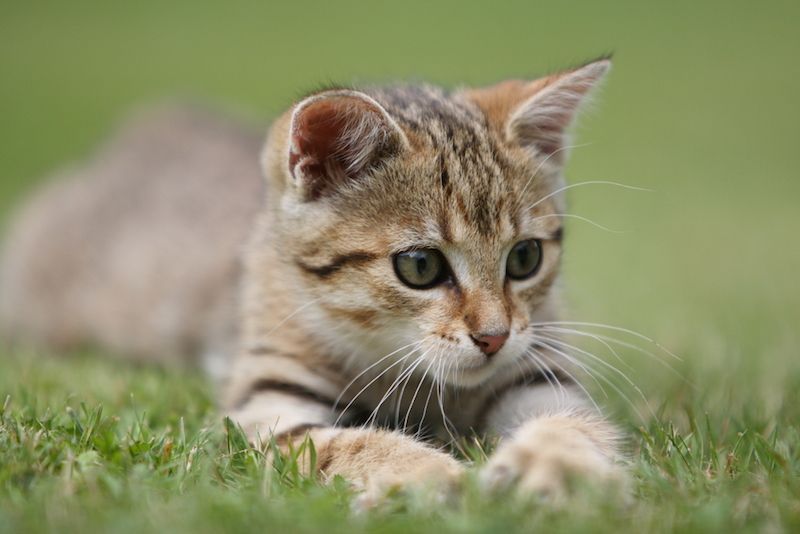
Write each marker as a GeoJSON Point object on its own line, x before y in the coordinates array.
{"type": "Point", "coordinates": [473, 373]}
{"type": "Point", "coordinates": [478, 366]}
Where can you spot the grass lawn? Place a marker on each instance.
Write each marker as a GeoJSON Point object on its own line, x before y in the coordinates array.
{"type": "Point", "coordinates": [701, 108]}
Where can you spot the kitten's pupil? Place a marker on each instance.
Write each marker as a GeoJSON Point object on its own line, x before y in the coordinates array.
{"type": "Point", "coordinates": [422, 264]}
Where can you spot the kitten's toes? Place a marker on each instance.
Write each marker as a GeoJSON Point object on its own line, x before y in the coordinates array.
{"type": "Point", "coordinates": [434, 481]}
{"type": "Point", "coordinates": [549, 474]}
{"type": "Point", "coordinates": [552, 465]}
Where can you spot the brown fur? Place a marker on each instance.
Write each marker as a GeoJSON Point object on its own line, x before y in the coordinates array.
{"type": "Point", "coordinates": [329, 335]}
{"type": "Point", "coordinates": [137, 251]}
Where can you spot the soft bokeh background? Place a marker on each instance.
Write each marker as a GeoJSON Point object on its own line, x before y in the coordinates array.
{"type": "Point", "coordinates": [701, 107]}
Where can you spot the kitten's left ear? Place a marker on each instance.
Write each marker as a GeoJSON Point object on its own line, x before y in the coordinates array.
{"type": "Point", "coordinates": [538, 114]}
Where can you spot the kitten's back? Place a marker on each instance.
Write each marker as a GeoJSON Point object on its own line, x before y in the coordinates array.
{"type": "Point", "coordinates": [138, 250]}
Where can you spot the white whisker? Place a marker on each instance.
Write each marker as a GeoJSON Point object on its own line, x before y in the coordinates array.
{"type": "Point", "coordinates": [599, 339]}
{"type": "Point", "coordinates": [366, 387]}
{"type": "Point", "coordinates": [579, 364]}
{"type": "Point", "coordinates": [601, 376]}
{"type": "Point", "coordinates": [445, 420]}
{"type": "Point", "coordinates": [414, 397]}
{"type": "Point", "coordinates": [605, 340]}
{"type": "Point", "coordinates": [572, 377]}
{"type": "Point", "coordinates": [365, 371]}
{"type": "Point", "coordinates": [295, 312]}
{"type": "Point", "coordinates": [545, 160]}
{"type": "Point", "coordinates": [611, 327]}
{"type": "Point", "coordinates": [580, 218]}
{"type": "Point", "coordinates": [399, 403]}
{"type": "Point", "coordinates": [594, 357]}
{"type": "Point", "coordinates": [589, 182]}
{"type": "Point", "coordinates": [391, 389]}
{"type": "Point", "coordinates": [542, 367]}
{"type": "Point", "coordinates": [425, 409]}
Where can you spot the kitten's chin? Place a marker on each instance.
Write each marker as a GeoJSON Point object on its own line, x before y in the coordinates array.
{"type": "Point", "coordinates": [477, 371]}
{"type": "Point", "coordinates": [474, 375]}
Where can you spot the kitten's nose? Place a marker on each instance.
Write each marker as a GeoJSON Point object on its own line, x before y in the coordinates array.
{"type": "Point", "coordinates": [490, 343]}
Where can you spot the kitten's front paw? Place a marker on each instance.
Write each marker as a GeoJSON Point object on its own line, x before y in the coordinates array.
{"type": "Point", "coordinates": [433, 479]}
{"type": "Point", "coordinates": [380, 464]}
{"type": "Point", "coordinates": [549, 456]}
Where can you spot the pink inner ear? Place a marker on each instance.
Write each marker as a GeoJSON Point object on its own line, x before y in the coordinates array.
{"type": "Point", "coordinates": [335, 139]}
{"type": "Point", "coordinates": [316, 138]}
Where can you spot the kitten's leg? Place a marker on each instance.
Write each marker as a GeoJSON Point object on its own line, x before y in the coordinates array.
{"type": "Point", "coordinates": [550, 437]}
{"type": "Point", "coordinates": [288, 402]}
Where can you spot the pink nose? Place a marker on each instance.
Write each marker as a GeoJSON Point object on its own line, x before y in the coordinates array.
{"type": "Point", "coordinates": [490, 343]}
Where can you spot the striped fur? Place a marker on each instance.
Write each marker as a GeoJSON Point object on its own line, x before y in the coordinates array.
{"type": "Point", "coordinates": [331, 344]}
{"type": "Point", "coordinates": [371, 173]}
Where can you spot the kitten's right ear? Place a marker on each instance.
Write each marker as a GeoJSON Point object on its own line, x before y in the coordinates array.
{"type": "Point", "coordinates": [338, 136]}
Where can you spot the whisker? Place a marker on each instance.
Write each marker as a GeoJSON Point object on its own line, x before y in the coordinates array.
{"type": "Point", "coordinates": [611, 327]}
{"type": "Point", "coordinates": [601, 376]}
{"type": "Point", "coordinates": [295, 312]}
{"type": "Point", "coordinates": [425, 410]}
{"type": "Point", "coordinates": [365, 371]}
{"type": "Point", "coordinates": [399, 403]}
{"type": "Point", "coordinates": [395, 384]}
{"type": "Point", "coordinates": [446, 420]}
{"type": "Point", "coordinates": [581, 218]}
{"type": "Point", "coordinates": [590, 373]}
{"type": "Point", "coordinates": [579, 364]}
{"type": "Point", "coordinates": [570, 331]}
{"type": "Point", "coordinates": [543, 368]}
{"type": "Point", "coordinates": [364, 389]}
{"type": "Point", "coordinates": [416, 392]}
{"type": "Point", "coordinates": [604, 339]}
{"type": "Point", "coordinates": [570, 376]}
{"type": "Point", "coordinates": [401, 373]}
{"type": "Point", "coordinates": [589, 182]}
{"type": "Point", "coordinates": [545, 160]}
{"type": "Point", "coordinates": [599, 360]}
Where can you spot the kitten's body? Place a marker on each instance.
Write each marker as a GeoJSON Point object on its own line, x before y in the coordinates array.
{"type": "Point", "coordinates": [331, 335]}
{"type": "Point", "coordinates": [139, 250]}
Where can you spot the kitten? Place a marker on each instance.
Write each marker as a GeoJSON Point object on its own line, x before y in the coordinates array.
{"type": "Point", "coordinates": [410, 246]}
{"type": "Point", "coordinates": [407, 252]}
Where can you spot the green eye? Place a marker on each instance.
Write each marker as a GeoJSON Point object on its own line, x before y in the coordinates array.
{"type": "Point", "coordinates": [524, 259]}
{"type": "Point", "coordinates": [420, 269]}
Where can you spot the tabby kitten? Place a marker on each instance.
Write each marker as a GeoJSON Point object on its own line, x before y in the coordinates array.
{"type": "Point", "coordinates": [394, 282]}
{"type": "Point", "coordinates": [409, 248]}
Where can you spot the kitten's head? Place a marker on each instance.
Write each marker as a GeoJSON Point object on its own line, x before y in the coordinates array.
{"type": "Point", "coordinates": [427, 223]}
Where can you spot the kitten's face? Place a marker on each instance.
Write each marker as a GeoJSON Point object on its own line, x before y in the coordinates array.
{"type": "Point", "coordinates": [440, 252]}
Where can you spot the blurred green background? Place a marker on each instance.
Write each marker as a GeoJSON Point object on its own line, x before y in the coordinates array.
{"type": "Point", "coordinates": [701, 107]}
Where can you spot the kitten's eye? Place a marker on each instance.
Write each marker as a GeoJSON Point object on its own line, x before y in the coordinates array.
{"type": "Point", "coordinates": [524, 259]}
{"type": "Point", "coordinates": [420, 269]}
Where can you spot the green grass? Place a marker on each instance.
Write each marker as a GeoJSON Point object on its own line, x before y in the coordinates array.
{"type": "Point", "coordinates": [140, 453]}
{"type": "Point", "coordinates": [701, 107]}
